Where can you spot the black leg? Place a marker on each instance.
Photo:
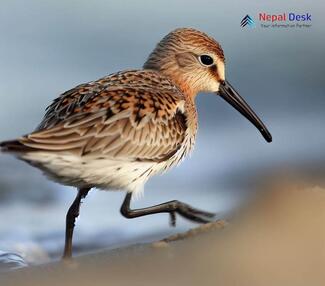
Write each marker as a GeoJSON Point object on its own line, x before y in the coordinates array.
{"type": "Point", "coordinates": [171, 207]}
{"type": "Point", "coordinates": [72, 214]}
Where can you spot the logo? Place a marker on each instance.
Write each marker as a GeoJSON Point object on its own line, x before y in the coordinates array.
{"type": "Point", "coordinates": [278, 20]}
{"type": "Point", "coordinates": [247, 21]}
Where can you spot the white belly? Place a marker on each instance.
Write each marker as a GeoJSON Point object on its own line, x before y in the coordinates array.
{"type": "Point", "coordinates": [102, 173]}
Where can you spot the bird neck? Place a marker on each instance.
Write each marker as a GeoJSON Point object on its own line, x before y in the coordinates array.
{"type": "Point", "coordinates": [185, 82]}
{"type": "Point", "coordinates": [185, 86]}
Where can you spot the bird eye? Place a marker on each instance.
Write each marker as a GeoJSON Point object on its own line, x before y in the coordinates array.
{"type": "Point", "coordinates": [206, 60]}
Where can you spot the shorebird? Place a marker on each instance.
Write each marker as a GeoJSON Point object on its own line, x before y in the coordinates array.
{"type": "Point", "coordinates": [116, 132]}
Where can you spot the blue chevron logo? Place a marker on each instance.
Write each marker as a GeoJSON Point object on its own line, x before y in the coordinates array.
{"type": "Point", "coordinates": [247, 21]}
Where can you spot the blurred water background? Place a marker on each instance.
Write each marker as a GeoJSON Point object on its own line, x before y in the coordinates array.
{"type": "Point", "coordinates": [48, 47]}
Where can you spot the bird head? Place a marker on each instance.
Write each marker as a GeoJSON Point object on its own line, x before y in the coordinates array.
{"type": "Point", "coordinates": [195, 62]}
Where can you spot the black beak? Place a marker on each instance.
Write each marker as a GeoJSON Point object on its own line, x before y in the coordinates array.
{"type": "Point", "coordinates": [229, 94]}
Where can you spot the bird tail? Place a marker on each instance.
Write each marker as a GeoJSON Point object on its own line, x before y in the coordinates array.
{"type": "Point", "coordinates": [13, 146]}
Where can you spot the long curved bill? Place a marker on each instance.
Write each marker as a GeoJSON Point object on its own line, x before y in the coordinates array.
{"type": "Point", "coordinates": [229, 94]}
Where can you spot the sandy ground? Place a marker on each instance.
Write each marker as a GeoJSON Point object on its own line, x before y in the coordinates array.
{"type": "Point", "coordinates": [279, 239]}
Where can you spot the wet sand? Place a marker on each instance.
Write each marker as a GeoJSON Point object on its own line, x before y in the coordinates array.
{"type": "Point", "coordinates": [279, 239]}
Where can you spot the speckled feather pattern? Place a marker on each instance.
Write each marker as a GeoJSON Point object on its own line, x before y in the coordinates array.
{"type": "Point", "coordinates": [118, 131]}
{"type": "Point", "coordinates": [131, 118]}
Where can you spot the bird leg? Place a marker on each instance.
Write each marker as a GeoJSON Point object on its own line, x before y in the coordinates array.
{"type": "Point", "coordinates": [171, 207]}
{"type": "Point", "coordinates": [72, 214]}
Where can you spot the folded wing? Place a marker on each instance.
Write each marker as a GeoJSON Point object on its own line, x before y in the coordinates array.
{"type": "Point", "coordinates": [123, 122]}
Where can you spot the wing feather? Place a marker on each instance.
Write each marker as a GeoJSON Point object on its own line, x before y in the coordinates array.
{"type": "Point", "coordinates": [122, 121]}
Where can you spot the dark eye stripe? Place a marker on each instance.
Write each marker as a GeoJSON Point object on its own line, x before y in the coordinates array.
{"type": "Point", "coordinates": [213, 68]}
{"type": "Point", "coordinates": [206, 60]}
{"type": "Point", "coordinates": [214, 72]}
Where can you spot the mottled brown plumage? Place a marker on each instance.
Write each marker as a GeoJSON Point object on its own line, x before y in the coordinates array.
{"type": "Point", "coordinates": [118, 131]}
{"type": "Point", "coordinates": [126, 115]}
{"type": "Point", "coordinates": [132, 117]}
{"type": "Point", "coordinates": [143, 119]}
